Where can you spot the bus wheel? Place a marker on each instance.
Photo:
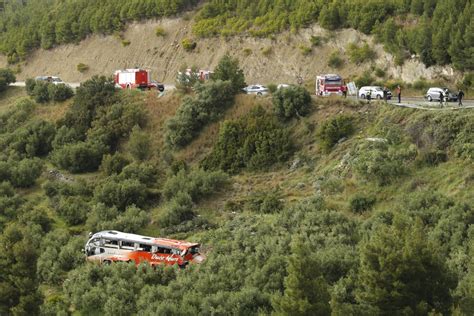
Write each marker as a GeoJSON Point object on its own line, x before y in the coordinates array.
{"type": "Point", "coordinates": [107, 262]}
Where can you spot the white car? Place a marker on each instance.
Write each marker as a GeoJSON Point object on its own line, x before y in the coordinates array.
{"type": "Point", "coordinates": [50, 79]}
{"type": "Point", "coordinates": [283, 86]}
{"type": "Point", "coordinates": [376, 92]}
{"type": "Point", "coordinates": [257, 89]}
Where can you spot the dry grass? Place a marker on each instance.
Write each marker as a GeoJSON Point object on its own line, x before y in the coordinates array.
{"type": "Point", "coordinates": [52, 111]}
{"type": "Point", "coordinates": [9, 97]}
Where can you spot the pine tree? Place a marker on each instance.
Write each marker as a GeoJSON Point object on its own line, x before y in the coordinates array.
{"type": "Point", "coordinates": [306, 290]}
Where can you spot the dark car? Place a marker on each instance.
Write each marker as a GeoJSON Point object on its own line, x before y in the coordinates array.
{"type": "Point", "coordinates": [156, 85]}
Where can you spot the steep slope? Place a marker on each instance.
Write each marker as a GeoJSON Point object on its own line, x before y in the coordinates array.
{"type": "Point", "coordinates": [264, 60]}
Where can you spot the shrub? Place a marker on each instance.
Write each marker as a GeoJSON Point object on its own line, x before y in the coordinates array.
{"type": "Point", "coordinates": [6, 77]}
{"type": "Point", "coordinates": [188, 44]}
{"type": "Point", "coordinates": [79, 157]}
{"type": "Point", "coordinates": [211, 99]}
{"type": "Point", "coordinates": [30, 86]}
{"type": "Point", "coordinates": [187, 79]}
{"type": "Point", "coordinates": [81, 67]}
{"type": "Point", "coordinates": [131, 221]}
{"type": "Point", "coordinates": [360, 203]}
{"type": "Point", "coordinates": [305, 50]}
{"type": "Point", "coordinates": [360, 54]}
{"type": "Point", "coordinates": [228, 70]}
{"type": "Point", "coordinates": [334, 129]}
{"type": "Point", "coordinates": [40, 92]}
{"type": "Point", "coordinates": [266, 51]}
{"type": "Point", "coordinates": [197, 183]}
{"type": "Point", "coordinates": [113, 164]}
{"type": "Point", "coordinates": [431, 157]}
{"type": "Point", "coordinates": [316, 40]}
{"type": "Point", "coordinates": [272, 87]}
{"type": "Point", "coordinates": [265, 202]}
{"type": "Point", "coordinates": [23, 173]}
{"type": "Point", "coordinates": [59, 92]}
{"type": "Point", "coordinates": [292, 101]}
{"type": "Point", "coordinates": [335, 61]}
{"type": "Point", "coordinates": [125, 43]}
{"type": "Point", "coordinates": [255, 141]}
{"type": "Point", "coordinates": [380, 72]}
{"type": "Point", "coordinates": [382, 163]}
{"type": "Point", "coordinates": [73, 209]}
{"type": "Point", "coordinates": [121, 193]}
{"type": "Point", "coordinates": [365, 79]}
{"type": "Point", "coordinates": [179, 210]}
{"type": "Point", "coordinates": [247, 51]}
{"type": "Point", "coordinates": [160, 32]}
{"type": "Point", "coordinates": [139, 144]}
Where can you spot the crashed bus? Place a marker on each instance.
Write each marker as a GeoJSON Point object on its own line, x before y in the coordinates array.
{"type": "Point", "coordinates": [110, 246]}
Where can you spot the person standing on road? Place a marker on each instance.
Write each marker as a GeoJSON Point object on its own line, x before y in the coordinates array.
{"type": "Point", "coordinates": [441, 96]}
{"type": "Point", "coordinates": [399, 94]}
{"type": "Point", "coordinates": [385, 94]}
{"type": "Point", "coordinates": [446, 97]}
{"type": "Point", "coordinates": [344, 91]}
{"type": "Point", "coordinates": [369, 96]}
{"type": "Point", "coordinates": [460, 96]}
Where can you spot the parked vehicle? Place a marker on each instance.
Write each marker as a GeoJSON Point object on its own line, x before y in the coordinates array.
{"type": "Point", "coordinates": [50, 79]}
{"type": "Point", "coordinates": [329, 84]}
{"type": "Point", "coordinates": [376, 92]}
{"type": "Point", "coordinates": [283, 86]}
{"type": "Point", "coordinates": [135, 79]}
{"type": "Point", "coordinates": [110, 246]}
{"type": "Point", "coordinates": [257, 89]}
{"type": "Point", "coordinates": [433, 94]}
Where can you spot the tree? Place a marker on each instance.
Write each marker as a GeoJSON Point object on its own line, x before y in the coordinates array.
{"type": "Point", "coordinates": [228, 70]}
{"type": "Point", "coordinates": [306, 290]}
{"type": "Point", "coordinates": [292, 101]}
{"type": "Point", "coordinates": [6, 77]}
{"type": "Point", "coordinates": [400, 271]}
{"type": "Point", "coordinates": [139, 144]}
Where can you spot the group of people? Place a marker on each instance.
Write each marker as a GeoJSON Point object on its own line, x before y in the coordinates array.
{"type": "Point", "coordinates": [445, 96]}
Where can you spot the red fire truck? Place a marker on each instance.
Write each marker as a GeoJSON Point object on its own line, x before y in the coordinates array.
{"type": "Point", "coordinates": [136, 79]}
{"type": "Point", "coordinates": [329, 84]}
{"type": "Point", "coordinates": [113, 246]}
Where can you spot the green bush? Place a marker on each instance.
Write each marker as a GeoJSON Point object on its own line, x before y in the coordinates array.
{"type": "Point", "coordinates": [139, 144]}
{"type": "Point", "coordinates": [125, 42]}
{"type": "Point", "coordinates": [23, 173]}
{"type": "Point", "coordinates": [197, 183]}
{"type": "Point", "coordinates": [382, 163]}
{"type": "Point", "coordinates": [41, 92]}
{"type": "Point", "coordinates": [179, 210]}
{"type": "Point", "coordinates": [317, 40]}
{"type": "Point", "coordinates": [335, 61]}
{"type": "Point", "coordinates": [365, 79]}
{"type": "Point", "coordinates": [228, 70]}
{"type": "Point", "coordinates": [79, 157]}
{"type": "Point", "coordinates": [360, 54]}
{"type": "Point", "coordinates": [73, 209]}
{"type": "Point", "coordinates": [380, 73]}
{"type": "Point", "coordinates": [81, 67]}
{"type": "Point", "coordinates": [6, 77]}
{"type": "Point", "coordinates": [265, 202]}
{"type": "Point", "coordinates": [431, 157]}
{"type": "Point", "coordinates": [255, 141]}
{"type": "Point", "coordinates": [160, 31]}
{"type": "Point", "coordinates": [334, 129]}
{"type": "Point", "coordinates": [294, 101]}
{"type": "Point", "coordinates": [211, 99]}
{"type": "Point", "coordinates": [188, 44]}
{"type": "Point", "coordinates": [30, 86]}
{"type": "Point", "coordinates": [113, 164]}
{"type": "Point", "coordinates": [59, 92]}
{"type": "Point", "coordinates": [361, 203]}
{"type": "Point", "coordinates": [121, 193]}
{"type": "Point", "coordinates": [305, 50]}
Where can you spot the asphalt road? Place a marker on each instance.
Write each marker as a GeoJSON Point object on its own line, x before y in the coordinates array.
{"type": "Point", "coordinates": [408, 102]}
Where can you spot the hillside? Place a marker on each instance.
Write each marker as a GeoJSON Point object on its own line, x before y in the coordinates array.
{"type": "Point", "coordinates": [324, 207]}
{"type": "Point", "coordinates": [277, 60]}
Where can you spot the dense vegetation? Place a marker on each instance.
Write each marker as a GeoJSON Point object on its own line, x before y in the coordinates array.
{"type": "Point", "coordinates": [374, 216]}
{"type": "Point", "coordinates": [439, 32]}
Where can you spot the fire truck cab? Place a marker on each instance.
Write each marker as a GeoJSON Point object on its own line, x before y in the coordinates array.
{"type": "Point", "coordinates": [329, 84]}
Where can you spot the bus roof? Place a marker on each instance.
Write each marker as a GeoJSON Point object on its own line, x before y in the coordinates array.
{"type": "Point", "coordinates": [172, 243]}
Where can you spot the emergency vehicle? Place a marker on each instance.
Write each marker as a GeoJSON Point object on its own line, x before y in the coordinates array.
{"type": "Point", "coordinates": [136, 79]}
{"type": "Point", "coordinates": [110, 246]}
{"type": "Point", "coordinates": [329, 84]}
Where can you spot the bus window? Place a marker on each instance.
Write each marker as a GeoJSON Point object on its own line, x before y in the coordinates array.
{"type": "Point", "coordinates": [127, 245]}
{"type": "Point", "coordinates": [175, 251]}
{"type": "Point", "coordinates": [144, 247]}
{"type": "Point", "coordinates": [110, 243]}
